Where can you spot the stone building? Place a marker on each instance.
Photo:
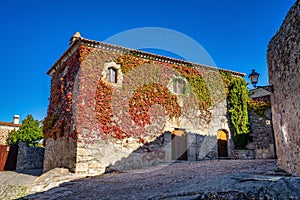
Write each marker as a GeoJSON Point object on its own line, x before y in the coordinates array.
{"type": "Point", "coordinates": [6, 127]}
{"type": "Point", "coordinates": [260, 118]}
{"type": "Point", "coordinates": [114, 108]}
{"type": "Point", "coordinates": [284, 74]}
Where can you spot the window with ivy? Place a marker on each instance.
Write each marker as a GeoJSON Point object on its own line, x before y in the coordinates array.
{"type": "Point", "coordinates": [179, 86]}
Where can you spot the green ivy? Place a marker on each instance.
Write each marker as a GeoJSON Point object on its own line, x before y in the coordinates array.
{"type": "Point", "coordinates": [259, 106]}
{"type": "Point", "coordinates": [238, 111]}
{"type": "Point", "coordinates": [235, 91]}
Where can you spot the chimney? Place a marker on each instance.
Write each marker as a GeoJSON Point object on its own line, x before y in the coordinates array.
{"type": "Point", "coordinates": [16, 119]}
{"type": "Point", "coordinates": [75, 37]}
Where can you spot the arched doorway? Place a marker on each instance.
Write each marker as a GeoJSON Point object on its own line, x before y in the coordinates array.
{"type": "Point", "coordinates": [222, 137]}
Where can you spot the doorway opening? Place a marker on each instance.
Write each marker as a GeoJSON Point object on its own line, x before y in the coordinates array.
{"type": "Point", "coordinates": [179, 145]}
{"type": "Point", "coordinates": [222, 137]}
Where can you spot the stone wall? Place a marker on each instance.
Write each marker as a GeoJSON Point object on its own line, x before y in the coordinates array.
{"type": "Point", "coordinates": [248, 154]}
{"type": "Point", "coordinates": [4, 131]}
{"type": "Point", "coordinates": [94, 125]}
{"type": "Point", "coordinates": [262, 132]}
{"type": "Point", "coordinates": [284, 73]}
{"type": "Point", "coordinates": [199, 147]}
{"type": "Point", "coordinates": [3, 136]}
{"type": "Point", "coordinates": [60, 153]}
{"type": "Point", "coordinates": [30, 157]}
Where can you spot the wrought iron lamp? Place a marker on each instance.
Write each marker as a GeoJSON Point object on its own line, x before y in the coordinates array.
{"type": "Point", "coordinates": [254, 80]}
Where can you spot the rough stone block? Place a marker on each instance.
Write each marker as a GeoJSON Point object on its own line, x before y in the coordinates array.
{"type": "Point", "coordinates": [82, 167]}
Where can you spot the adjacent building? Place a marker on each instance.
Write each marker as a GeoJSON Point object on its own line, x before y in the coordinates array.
{"type": "Point", "coordinates": [6, 127]}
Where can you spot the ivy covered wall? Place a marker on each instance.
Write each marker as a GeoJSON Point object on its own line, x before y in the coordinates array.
{"type": "Point", "coordinates": [92, 111]}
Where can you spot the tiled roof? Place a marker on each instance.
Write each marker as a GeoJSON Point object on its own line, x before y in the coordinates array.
{"type": "Point", "coordinates": [9, 124]}
{"type": "Point", "coordinates": [76, 40]}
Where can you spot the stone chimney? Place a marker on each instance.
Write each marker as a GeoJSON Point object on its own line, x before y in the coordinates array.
{"type": "Point", "coordinates": [16, 119]}
{"type": "Point", "coordinates": [75, 37]}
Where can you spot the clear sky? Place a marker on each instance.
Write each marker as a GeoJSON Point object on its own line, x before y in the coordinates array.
{"type": "Point", "coordinates": [35, 33]}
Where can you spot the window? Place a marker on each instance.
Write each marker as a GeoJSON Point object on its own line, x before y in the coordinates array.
{"type": "Point", "coordinates": [178, 86]}
{"type": "Point", "coordinates": [112, 75]}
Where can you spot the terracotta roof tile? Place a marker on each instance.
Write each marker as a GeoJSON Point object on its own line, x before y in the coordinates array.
{"type": "Point", "coordinates": [76, 41]}
{"type": "Point", "coordinates": [9, 124]}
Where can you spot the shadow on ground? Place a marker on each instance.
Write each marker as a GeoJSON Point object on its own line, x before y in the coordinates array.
{"type": "Point", "coordinates": [224, 179]}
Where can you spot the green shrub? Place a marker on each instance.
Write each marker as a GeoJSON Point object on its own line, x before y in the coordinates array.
{"type": "Point", "coordinates": [30, 132]}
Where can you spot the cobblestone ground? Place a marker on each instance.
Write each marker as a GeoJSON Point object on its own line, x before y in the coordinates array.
{"type": "Point", "coordinates": [156, 182]}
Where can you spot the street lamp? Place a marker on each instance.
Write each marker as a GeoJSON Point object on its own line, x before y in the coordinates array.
{"type": "Point", "coordinates": [254, 79]}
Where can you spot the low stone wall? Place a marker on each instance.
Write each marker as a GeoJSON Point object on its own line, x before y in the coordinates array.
{"type": "Point", "coordinates": [150, 154]}
{"type": "Point", "coordinates": [243, 154]}
{"type": "Point", "coordinates": [30, 157]}
{"type": "Point", "coordinates": [202, 147]}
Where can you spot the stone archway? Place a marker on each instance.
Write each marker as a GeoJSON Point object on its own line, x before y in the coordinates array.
{"type": "Point", "coordinates": [222, 136]}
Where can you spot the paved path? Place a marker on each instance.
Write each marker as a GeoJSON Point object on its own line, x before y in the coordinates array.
{"type": "Point", "coordinates": [217, 179]}
{"type": "Point", "coordinates": [13, 184]}
{"type": "Point", "coordinates": [19, 177]}
{"type": "Point", "coordinates": [187, 180]}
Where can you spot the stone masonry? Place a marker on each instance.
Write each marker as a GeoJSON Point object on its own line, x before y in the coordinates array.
{"type": "Point", "coordinates": [284, 73]}
{"type": "Point", "coordinates": [30, 157]}
{"type": "Point", "coordinates": [88, 128]}
{"type": "Point", "coordinates": [261, 125]}
{"type": "Point", "coordinates": [262, 131]}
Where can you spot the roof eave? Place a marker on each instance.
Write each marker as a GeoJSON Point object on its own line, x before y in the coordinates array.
{"type": "Point", "coordinates": [102, 45]}
{"type": "Point", "coordinates": [73, 46]}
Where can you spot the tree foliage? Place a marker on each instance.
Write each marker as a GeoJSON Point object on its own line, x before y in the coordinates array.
{"type": "Point", "coordinates": [238, 110]}
{"type": "Point", "coordinates": [30, 132]}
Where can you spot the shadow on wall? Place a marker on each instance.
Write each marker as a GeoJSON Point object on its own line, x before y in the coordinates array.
{"type": "Point", "coordinates": [30, 157]}
{"type": "Point", "coordinates": [169, 148]}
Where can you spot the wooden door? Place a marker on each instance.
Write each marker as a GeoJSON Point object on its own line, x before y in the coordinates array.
{"type": "Point", "coordinates": [179, 147]}
{"type": "Point", "coordinates": [8, 157]}
{"type": "Point", "coordinates": [222, 143]}
{"type": "Point", "coordinates": [4, 150]}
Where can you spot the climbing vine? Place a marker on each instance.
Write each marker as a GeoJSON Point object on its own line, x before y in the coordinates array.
{"type": "Point", "coordinates": [238, 111]}
{"type": "Point", "coordinates": [198, 84]}
{"type": "Point", "coordinates": [143, 96]}
{"type": "Point", "coordinates": [104, 112]}
{"type": "Point", "coordinates": [59, 120]}
{"type": "Point", "coordinates": [259, 106]}
{"type": "Point", "coordinates": [147, 96]}
{"type": "Point", "coordinates": [193, 76]}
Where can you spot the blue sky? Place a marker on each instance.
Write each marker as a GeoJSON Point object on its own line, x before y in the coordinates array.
{"type": "Point", "coordinates": [34, 34]}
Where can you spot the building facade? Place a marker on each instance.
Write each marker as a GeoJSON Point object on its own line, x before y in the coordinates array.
{"type": "Point", "coordinates": [7, 127]}
{"type": "Point", "coordinates": [114, 108]}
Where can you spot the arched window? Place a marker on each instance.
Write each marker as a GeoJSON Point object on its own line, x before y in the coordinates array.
{"type": "Point", "coordinates": [112, 75]}
{"type": "Point", "coordinates": [179, 86]}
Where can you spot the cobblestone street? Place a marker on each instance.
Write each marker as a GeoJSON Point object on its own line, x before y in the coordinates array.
{"type": "Point", "coordinates": [180, 180]}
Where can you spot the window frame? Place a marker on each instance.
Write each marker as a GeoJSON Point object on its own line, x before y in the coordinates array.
{"type": "Point", "coordinates": [179, 86]}
{"type": "Point", "coordinates": [112, 75]}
